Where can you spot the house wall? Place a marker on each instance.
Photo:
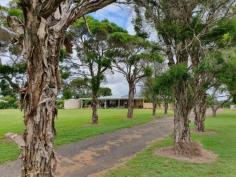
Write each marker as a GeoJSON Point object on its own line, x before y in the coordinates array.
{"type": "Point", "coordinates": [150, 106]}
{"type": "Point", "coordinates": [147, 105]}
{"type": "Point", "coordinates": [233, 107]}
{"type": "Point", "coordinates": [72, 104]}
{"type": "Point", "coordinates": [138, 103]}
{"type": "Point", "coordinates": [122, 103]}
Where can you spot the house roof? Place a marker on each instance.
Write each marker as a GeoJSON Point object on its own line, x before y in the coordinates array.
{"type": "Point", "coordinates": [113, 98]}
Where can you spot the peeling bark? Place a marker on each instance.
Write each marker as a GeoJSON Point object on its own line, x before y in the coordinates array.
{"type": "Point", "coordinates": [154, 106]}
{"type": "Point", "coordinates": [131, 100]}
{"type": "Point", "coordinates": [18, 139]}
{"type": "Point", "coordinates": [94, 110]}
{"type": "Point", "coordinates": [44, 27]}
{"type": "Point", "coordinates": [38, 155]}
{"type": "Point", "coordinates": [200, 112]}
{"type": "Point", "coordinates": [181, 120]}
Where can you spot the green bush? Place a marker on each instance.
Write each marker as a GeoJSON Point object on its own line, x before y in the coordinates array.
{"type": "Point", "coordinates": [9, 102]}
{"type": "Point", "coordinates": [60, 104]}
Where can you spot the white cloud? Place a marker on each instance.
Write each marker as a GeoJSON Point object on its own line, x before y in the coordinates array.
{"type": "Point", "coordinates": [4, 2]}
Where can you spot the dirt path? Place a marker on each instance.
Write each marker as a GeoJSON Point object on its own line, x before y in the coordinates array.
{"type": "Point", "coordinates": [91, 157]}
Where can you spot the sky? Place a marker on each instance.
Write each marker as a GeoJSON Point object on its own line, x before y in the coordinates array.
{"type": "Point", "coordinates": [122, 16]}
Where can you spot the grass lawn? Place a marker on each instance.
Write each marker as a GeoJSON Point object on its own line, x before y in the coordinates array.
{"type": "Point", "coordinates": [223, 143]}
{"type": "Point", "coordinates": [72, 125]}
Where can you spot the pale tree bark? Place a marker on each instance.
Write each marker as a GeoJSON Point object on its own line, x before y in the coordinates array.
{"type": "Point", "coordinates": [41, 47]}
{"type": "Point", "coordinates": [214, 109]}
{"type": "Point", "coordinates": [44, 26]}
{"type": "Point", "coordinates": [154, 106]}
{"type": "Point", "coordinates": [94, 109]}
{"type": "Point", "coordinates": [131, 100]}
{"type": "Point", "coordinates": [200, 108]}
{"type": "Point", "coordinates": [181, 120]}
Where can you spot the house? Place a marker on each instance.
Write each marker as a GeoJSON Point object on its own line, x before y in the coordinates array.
{"type": "Point", "coordinates": [104, 102]}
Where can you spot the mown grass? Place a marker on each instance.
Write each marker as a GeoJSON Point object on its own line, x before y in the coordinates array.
{"type": "Point", "coordinates": [72, 126]}
{"type": "Point", "coordinates": [222, 142]}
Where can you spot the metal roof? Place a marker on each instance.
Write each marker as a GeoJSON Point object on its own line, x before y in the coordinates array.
{"type": "Point", "coordinates": [113, 98]}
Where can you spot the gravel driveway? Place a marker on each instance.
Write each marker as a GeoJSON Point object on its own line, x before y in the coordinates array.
{"type": "Point", "coordinates": [93, 156]}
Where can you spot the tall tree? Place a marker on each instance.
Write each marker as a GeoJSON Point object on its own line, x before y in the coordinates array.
{"type": "Point", "coordinates": [129, 54]}
{"type": "Point", "coordinates": [178, 32]}
{"type": "Point", "coordinates": [155, 64]}
{"type": "Point", "coordinates": [223, 79]}
{"type": "Point", "coordinates": [91, 41]}
{"type": "Point", "coordinates": [42, 30]}
{"type": "Point", "coordinates": [221, 37]}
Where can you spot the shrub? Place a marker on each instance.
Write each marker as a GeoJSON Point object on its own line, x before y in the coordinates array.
{"type": "Point", "coordinates": [60, 104]}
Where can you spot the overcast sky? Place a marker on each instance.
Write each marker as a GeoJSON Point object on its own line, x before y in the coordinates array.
{"type": "Point", "coordinates": [122, 16]}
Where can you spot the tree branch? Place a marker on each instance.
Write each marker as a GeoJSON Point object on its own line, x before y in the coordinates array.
{"type": "Point", "coordinates": [70, 10]}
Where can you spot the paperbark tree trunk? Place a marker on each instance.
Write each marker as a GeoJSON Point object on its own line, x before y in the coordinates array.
{"type": "Point", "coordinates": [41, 49]}
{"type": "Point", "coordinates": [154, 106]}
{"type": "Point", "coordinates": [200, 112]}
{"type": "Point", "coordinates": [131, 101]}
{"type": "Point", "coordinates": [94, 110]}
{"type": "Point", "coordinates": [181, 120]}
{"type": "Point", "coordinates": [214, 109]}
{"type": "Point", "coordinates": [42, 32]}
{"type": "Point", "coordinates": [166, 106]}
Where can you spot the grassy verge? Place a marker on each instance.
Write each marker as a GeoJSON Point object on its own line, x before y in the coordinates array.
{"type": "Point", "coordinates": [222, 142]}
{"type": "Point", "coordinates": [72, 126]}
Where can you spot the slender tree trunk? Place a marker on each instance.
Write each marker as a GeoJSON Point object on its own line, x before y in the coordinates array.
{"type": "Point", "coordinates": [200, 112]}
{"type": "Point", "coordinates": [166, 107]}
{"type": "Point", "coordinates": [131, 101]}
{"type": "Point", "coordinates": [154, 106]}
{"type": "Point", "coordinates": [214, 109]}
{"type": "Point", "coordinates": [41, 49]}
{"type": "Point", "coordinates": [94, 109]}
{"type": "Point", "coordinates": [181, 120]}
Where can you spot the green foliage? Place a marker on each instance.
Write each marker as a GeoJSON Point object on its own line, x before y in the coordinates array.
{"type": "Point", "coordinates": [148, 72]}
{"type": "Point", "coordinates": [5, 89]}
{"type": "Point", "coordinates": [223, 34]}
{"type": "Point", "coordinates": [67, 93]}
{"type": "Point", "coordinates": [229, 76]}
{"type": "Point", "coordinates": [138, 24]}
{"type": "Point", "coordinates": [104, 91]}
{"type": "Point", "coordinates": [125, 40]}
{"type": "Point", "coordinates": [8, 102]}
{"type": "Point", "coordinates": [10, 76]}
{"type": "Point", "coordinates": [18, 68]}
{"type": "Point", "coordinates": [65, 74]}
{"type": "Point", "coordinates": [172, 77]}
{"type": "Point", "coordinates": [63, 54]}
{"type": "Point", "coordinates": [15, 12]}
{"type": "Point", "coordinates": [99, 29]}
{"type": "Point", "coordinates": [80, 88]}
{"type": "Point", "coordinates": [177, 31]}
{"type": "Point", "coordinates": [221, 66]}
{"type": "Point", "coordinates": [60, 104]}
{"type": "Point", "coordinates": [91, 38]}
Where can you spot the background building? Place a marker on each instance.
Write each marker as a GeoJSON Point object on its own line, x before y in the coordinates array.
{"type": "Point", "coordinates": [104, 102]}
